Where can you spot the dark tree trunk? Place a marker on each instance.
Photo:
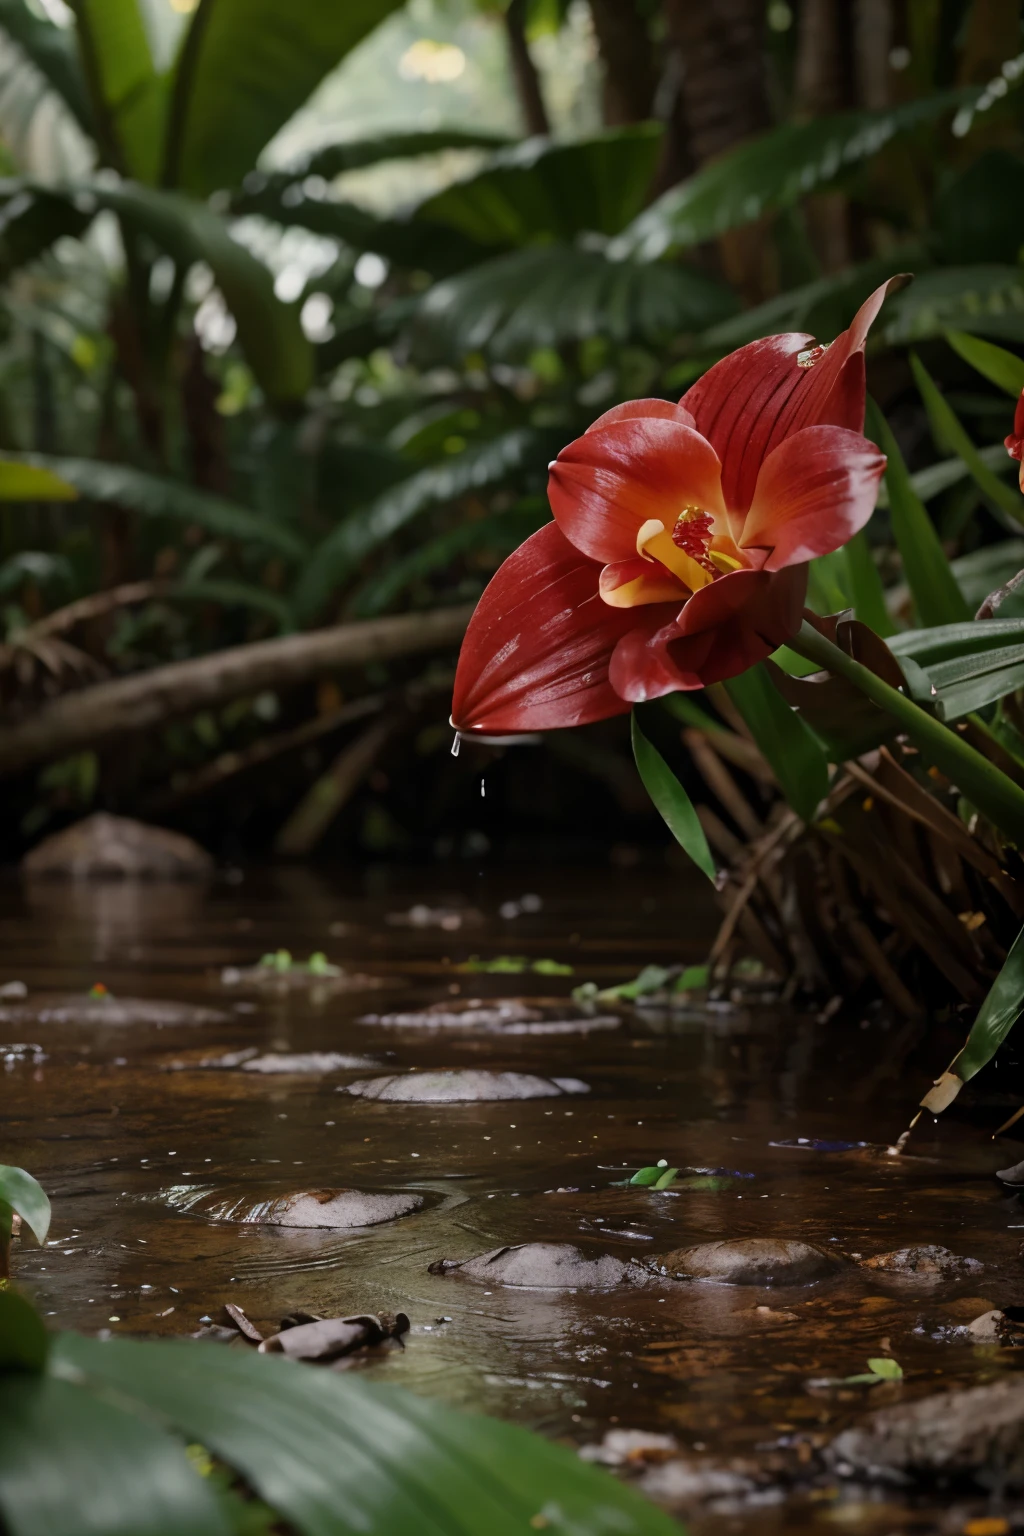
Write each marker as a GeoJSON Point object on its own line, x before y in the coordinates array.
{"type": "Point", "coordinates": [719, 59]}
{"type": "Point", "coordinates": [204, 426]}
{"type": "Point", "coordinates": [627, 55]}
{"type": "Point", "coordinates": [524, 71]}
{"type": "Point", "coordinates": [724, 96]}
{"type": "Point", "coordinates": [826, 81]}
{"type": "Point", "coordinates": [874, 35]}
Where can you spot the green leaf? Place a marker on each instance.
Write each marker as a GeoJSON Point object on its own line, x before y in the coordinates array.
{"type": "Point", "coordinates": [339, 555]}
{"type": "Point", "coordinates": [984, 570]}
{"type": "Point", "coordinates": [543, 188]}
{"type": "Point", "coordinates": [646, 1178]}
{"type": "Point", "coordinates": [989, 299]}
{"type": "Point", "coordinates": [24, 1342]}
{"type": "Point", "coordinates": [964, 684]}
{"type": "Point", "coordinates": [949, 434]}
{"type": "Point", "coordinates": [998, 1014]}
{"type": "Point", "coordinates": [151, 496]}
{"type": "Point", "coordinates": [866, 586]}
{"type": "Point", "coordinates": [238, 594]}
{"type": "Point", "coordinates": [1003, 369]}
{"type": "Point", "coordinates": [774, 170]}
{"type": "Point", "coordinates": [31, 482]}
{"type": "Point", "coordinates": [693, 979]}
{"type": "Point", "coordinates": [552, 295]}
{"type": "Point", "coordinates": [20, 1191]}
{"type": "Point", "coordinates": [667, 1178]}
{"type": "Point", "coordinates": [244, 68]}
{"type": "Point", "coordinates": [551, 968]}
{"type": "Point", "coordinates": [331, 160]}
{"type": "Point", "coordinates": [129, 96]}
{"type": "Point", "coordinates": [948, 642]}
{"type": "Point", "coordinates": [937, 598]}
{"type": "Point", "coordinates": [504, 532]}
{"type": "Point", "coordinates": [671, 801]}
{"type": "Point", "coordinates": [790, 747]}
{"type": "Point", "coordinates": [269, 331]}
{"type": "Point", "coordinates": [335, 1455]}
{"type": "Point", "coordinates": [74, 1465]}
{"type": "Point", "coordinates": [979, 215]}
{"type": "Point", "coordinates": [886, 1369]}
{"type": "Point", "coordinates": [31, 221]}
{"type": "Point", "coordinates": [53, 52]}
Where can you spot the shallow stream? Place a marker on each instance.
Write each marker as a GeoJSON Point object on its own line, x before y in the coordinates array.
{"type": "Point", "coordinates": [120, 1122]}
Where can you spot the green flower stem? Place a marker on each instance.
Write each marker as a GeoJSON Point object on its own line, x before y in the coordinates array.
{"type": "Point", "coordinates": [983, 784]}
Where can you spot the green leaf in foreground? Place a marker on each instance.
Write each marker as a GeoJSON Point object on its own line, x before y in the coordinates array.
{"type": "Point", "coordinates": [1002, 368]}
{"type": "Point", "coordinates": [23, 1195]}
{"type": "Point", "coordinates": [335, 1455]}
{"type": "Point", "coordinates": [937, 598]}
{"type": "Point", "coordinates": [793, 752]}
{"type": "Point", "coordinates": [24, 1342]}
{"type": "Point", "coordinates": [881, 1368]}
{"type": "Point", "coordinates": [866, 586]}
{"type": "Point", "coordinates": [998, 1014]}
{"type": "Point", "coordinates": [74, 1465]}
{"type": "Point", "coordinates": [671, 801]}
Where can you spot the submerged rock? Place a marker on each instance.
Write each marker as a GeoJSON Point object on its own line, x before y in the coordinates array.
{"type": "Point", "coordinates": [926, 1262]}
{"type": "Point", "coordinates": [463, 1087]}
{"type": "Point", "coordinates": [106, 847]}
{"type": "Point", "coordinates": [948, 1434]}
{"type": "Point", "coordinates": [506, 1016]}
{"type": "Point", "coordinates": [541, 1267]}
{"type": "Point", "coordinates": [303, 1208]}
{"type": "Point", "coordinates": [89, 1008]}
{"type": "Point", "coordinates": [307, 1063]}
{"type": "Point", "coordinates": [748, 1261]}
{"type": "Point", "coordinates": [1013, 1176]}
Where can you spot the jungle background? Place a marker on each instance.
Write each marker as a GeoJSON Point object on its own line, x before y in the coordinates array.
{"type": "Point", "coordinates": [297, 302]}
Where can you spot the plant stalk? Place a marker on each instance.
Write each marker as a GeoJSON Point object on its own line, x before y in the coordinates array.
{"type": "Point", "coordinates": [984, 785]}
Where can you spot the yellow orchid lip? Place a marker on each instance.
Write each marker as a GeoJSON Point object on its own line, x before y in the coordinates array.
{"type": "Point", "coordinates": [654, 543]}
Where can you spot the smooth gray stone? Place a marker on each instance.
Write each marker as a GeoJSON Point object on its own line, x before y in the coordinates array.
{"type": "Point", "coordinates": [463, 1087]}
{"type": "Point", "coordinates": [304, 1208]}
{"type": "Point", "coordinates": [1014, 1175]}
{"type": "Point", "coordinates": [103, 847]}
{"type": "Point", "coordinates": [949, 1434]}
{"type": "Point", "coordinates": [749, 1261]}
{"type": "Point", "coordinates": [542, 1267]}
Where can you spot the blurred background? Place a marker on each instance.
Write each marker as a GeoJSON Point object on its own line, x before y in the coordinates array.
{"type": "Point", "coordinates": [297, 301]}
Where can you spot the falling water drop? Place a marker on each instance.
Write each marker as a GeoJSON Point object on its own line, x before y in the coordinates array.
{"type": "Point", "coordinates": [456, 744]}
{"type": "Point", "coordinates": [483, 789]}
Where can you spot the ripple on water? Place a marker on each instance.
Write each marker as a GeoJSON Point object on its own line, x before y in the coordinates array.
{"type": "Point", "coordinates": [330, 1208]}
{"type": "Point", "coordinates": [463, 1087]}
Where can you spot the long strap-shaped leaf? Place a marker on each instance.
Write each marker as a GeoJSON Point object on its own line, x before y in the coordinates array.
{"type": "Point", "coordinates": [73, 1465]}
{"type": "Point", "coordinates": [1002, 368]}
{"type": "Point", "coordinates": [671, 801]}
{"type": "Point", "coordinates": [334, 1455]}
{"type": "Point", "coordinates": [949, 433]}
{"type": "Point", "coordinates": [937, 598]}
{"type": "Point", "coordinates": [793, 751]}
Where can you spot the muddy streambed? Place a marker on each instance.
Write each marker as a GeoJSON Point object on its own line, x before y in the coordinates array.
{"type": "Point", "coordinates": [171, 1142]}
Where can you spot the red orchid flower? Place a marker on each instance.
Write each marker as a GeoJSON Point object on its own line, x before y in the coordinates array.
{"type": "Point", "coordinates": [678, 554]}
{"type": "Point", "coordinates": [1015, 442]}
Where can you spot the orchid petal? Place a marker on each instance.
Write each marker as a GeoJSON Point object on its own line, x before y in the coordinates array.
{"type": "Point", "coordinates": [631, 409]}
{"type": "Point", "coordinates": [815, 491]}
{"type": "Point", "coordinates": [755, 398]}
{"type": "Point", "coordinates": [536, 653]}
{"type": "Point", "coordinates": [724, 629]}
{"type": "Point", "coordinates": [609, 482]}
{"type": "Point", "coordinates": [638, 582]}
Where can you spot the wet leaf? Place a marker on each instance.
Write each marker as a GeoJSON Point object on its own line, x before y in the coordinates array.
{"type": "Point", "coordinates": [668, 1177]}
{"type": "Point", "coordinates": [646, 1177]}
{"type": "Point", "coordinates": [998, 1014]}
{"type": "Point", "coordinates": [886, 1369]}
{"type": "Point", "coordinates": [693, 979]}
{"type": "Point", "coordinates": [551, 968]}
{"type": "Point", "coordinates": [949, 434]}
{"type": "Point", "coordinates": [27, 1199]}
{"type": "Point", "coordinates": [671, 801]}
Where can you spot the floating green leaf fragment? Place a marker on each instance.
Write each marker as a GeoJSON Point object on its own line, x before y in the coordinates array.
{"type": "Point", "coordinates": [646, 1177]}
{"type": "Point", "coordinates": [515, 965]}
{"type": "Point", "coordinates": [710, 1182]}
{"type": "Point", "coordinates": [693, 979]}
{"type": "Point", "coordinates": [882, 1369]}
{"type": "Point", "coordinates": [551, 968]}
{"type": "Point", "coordinates": [319, 965]}
{"type": "Point", "coordinates": [667, 1178]}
